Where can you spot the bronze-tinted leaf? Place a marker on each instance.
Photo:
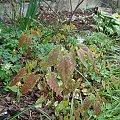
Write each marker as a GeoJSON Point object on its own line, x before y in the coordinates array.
{"type": "Point", "coordinates": [19, 76]}
{"type": "Point", "coordinates": [86, 117]}
{"type": "Point", "coordinates": [77, 114]}
{"type": "Point", "coordinates": [22, 40]}
{"type": "Point", "coordinates": [39, 32]}
{"type": "Point", "coordinates": [70, 85]}
{"type": "Point", "coordinates": [25, 39]}
{"type": "Point", "coordinates": [84, 47]}
{"type": "Point", "coordinates": [32, 32]}
{"type": "Point", "coordinates": [91, 56]}
{"type": "Point", "coordinates": [87, 103]}
{"type": "Point", "coordinates": [28, 41]}
{"type": "Point", "coordinates": [81, 53]}
{"type": "Point", "coordinates": [96, 107]}
{"type": "Point", "coordinates": [96, 69]}
{"type": "Point", "coordinates": [65, 67]}
{"type": "Point", "coordinates": [85, 51]}
{"type": "Point", "coordinates": [29, 83]}
{"type": "Point", "coordinates": [52, 57]}
{"type": "Point", "coordinates": [52, 82]}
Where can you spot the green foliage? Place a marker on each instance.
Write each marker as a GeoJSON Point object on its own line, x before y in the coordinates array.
{"type": "Point", "coordinates": [20, 18]}
{"type": "Point", "coordinates": [26, 20]}
{"type": "Point", "coordinates": [9, 59]}
{"type": "Point", "coordinates": [14, 89]}
{"type": "Point", "coordinates": [77, 80]}
{"type": "Point", "coordinates": [108, 24]}
{"type": "Point", "coordinates": [105, 50]}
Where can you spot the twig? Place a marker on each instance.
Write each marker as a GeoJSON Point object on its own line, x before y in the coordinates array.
{"type": "Point", "coordinates": [71, 7]}
{"type": "Point", "coordinates": [51, 8]}
{"type": "Point", "coordinates": [79, 3]}
{"type": "Point", "coordinates": [83, 77]}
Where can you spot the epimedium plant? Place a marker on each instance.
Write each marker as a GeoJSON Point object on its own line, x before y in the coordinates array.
{"type": "Point", "coordinates": [75, 79]}
{"type": "Point", "coordinates": [11, 59]}
{"type": "Point", "coordinates": [60, 72]}
{"type": "Point", "coordinates": [68, 74]}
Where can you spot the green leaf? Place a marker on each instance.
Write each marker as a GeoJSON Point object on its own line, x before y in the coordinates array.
{"type": "Point", "coordinates": [61, 106]}
{"type": "Point", "coordinates": [14, 88]}
{"type": "Point", "coordinates": [108, 106]}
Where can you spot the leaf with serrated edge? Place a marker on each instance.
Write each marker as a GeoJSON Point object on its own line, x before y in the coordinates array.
{"type": "Point", "coordinates": [52, 82]}
{"type": "Point", "coordinates": [81, 53]}
{"type": "Point", "coordinates": [22, 40]}
{"type": "Point", "coordinates": [29, 83]}
{"type": "Point", "coordinates": [28, 41]}
{"type": "Point", "coordinates": [84, 50]}
{"type": "Point", "coordinates": [39, 32]}
{"type": "Point", "coordinates": [65, 67]}
{"type": "Point", "coordinates": [87, 103]}
{"type": "Point", "coordinates": [52, 57]}
{"type": "Point", "coordinates": [96, 107]}
{"type": "Point", "coordinates": [19, 76]}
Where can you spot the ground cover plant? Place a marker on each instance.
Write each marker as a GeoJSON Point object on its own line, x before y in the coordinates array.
{"type": "Point", "coordinates": [58, 72]}
{"type": "Point", "coordinates": [109, 24]}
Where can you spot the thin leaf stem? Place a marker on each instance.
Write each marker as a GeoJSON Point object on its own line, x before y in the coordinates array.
{"type": "Point", "coordinates": [83, 77]}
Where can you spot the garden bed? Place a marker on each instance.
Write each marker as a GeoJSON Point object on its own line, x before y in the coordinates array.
{"type": "Point", "coordinates": [77, 64]}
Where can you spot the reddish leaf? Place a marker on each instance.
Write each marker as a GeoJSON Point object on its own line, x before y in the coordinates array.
{"type": "Point", "coordinates": [81, 53]}
{"type": "Point", "coordinates": [91, 56]}
{"type": "Point", "coordinates": [77, 114]}
{"type": "Point", "coordinates": [52, 57]}
{"type": "Point", "coordinates": [86, 117]}
{"type": "Point", "coordinates": [39, 32]}
{"type": "Point", "coordinates": [97, 107]}
{"type": "Point", "coordinates": [85, 51]}
{"type": "Point", "coordinates": [84, 47]}
{"type": "Point", "coordinates": [88, 52]}
{"type": "Point", "coordinates": [18, 77]}
{"type": "Point", "coordinates": [28, 41]}
{"type": "Point", "coordinates": [65, 67]}
{"type": "Point", "coordinates": [52, 82]}
{"type": "Point", "coordinates": [1, 108]}
{"type": "Point", "coordinates": [87, 103]}
{"type": "Point", "coordinates": [32, 32]}
{"type": "Point", "coordinates": [22, 40]}
{"type": "Point", "coordinates": [29, 83]}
